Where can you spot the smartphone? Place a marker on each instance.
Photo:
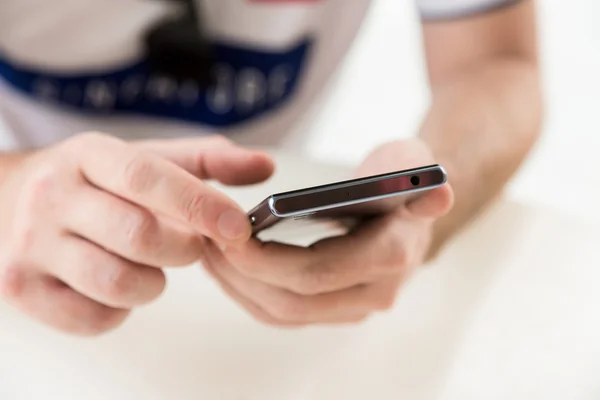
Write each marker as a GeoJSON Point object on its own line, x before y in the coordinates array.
{"type": "Point", "coordinates": [349, 201]}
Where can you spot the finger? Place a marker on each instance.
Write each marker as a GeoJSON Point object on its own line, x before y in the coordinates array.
{"type": "Point", "coordinates": [214, 158]}
{"type": "Point", "coordinates": [130, 231]}
{"type": "Point", "coordinates": [252, 308]}
{"type": "Point", "coordinates": [382, 248]}
{"type": "Point", "coordinates": [433, 204]}
{"type": "Point", "coordinates": [350, 305]}
{"type": "Point", "coordinates": [50, 301]}
{"type": "Point", "coordinates": [102, 276]}
{"type": "Point", "coordinates": [157, 184]}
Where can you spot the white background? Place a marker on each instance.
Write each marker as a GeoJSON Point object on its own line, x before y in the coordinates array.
{"type": "Point", "coordinates": [381, 94]}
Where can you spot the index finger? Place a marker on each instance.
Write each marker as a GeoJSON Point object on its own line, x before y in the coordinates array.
{"type": "Point", "coordinates": [158, 185]}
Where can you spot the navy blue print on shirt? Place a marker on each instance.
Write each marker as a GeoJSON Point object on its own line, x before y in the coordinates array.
{"type": "Point", "coordinates": [249, 83]}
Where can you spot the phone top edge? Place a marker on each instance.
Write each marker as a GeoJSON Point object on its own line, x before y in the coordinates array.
{"type": "Point", "coordinates": [305, 211]}
{"type": "Point", "coordinates": [360, 190]}
{"type": "Point", "coordinates": [352, 182]}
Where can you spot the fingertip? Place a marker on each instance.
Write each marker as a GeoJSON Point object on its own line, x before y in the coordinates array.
{"type": "Point", "coordinates": [269, 162]}
{"type": "Point", "coordinates": [233, 227]}
{"type": "Point", "coordinates": [264, 166]}
{"type": "Point", "coordinates": [241, 166]}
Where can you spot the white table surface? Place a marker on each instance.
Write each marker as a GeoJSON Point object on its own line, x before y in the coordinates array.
{"type": "Point", "coordinates": [508, 312]}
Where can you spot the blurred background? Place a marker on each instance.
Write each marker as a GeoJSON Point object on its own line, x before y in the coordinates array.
{"type": "Point", "coordinates": [381, 94]}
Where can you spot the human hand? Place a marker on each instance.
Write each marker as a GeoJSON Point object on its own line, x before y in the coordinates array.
{"type": "Point", "coordinates": [337, 280]}
{"type": "Point", "coordinates": [86, 225]}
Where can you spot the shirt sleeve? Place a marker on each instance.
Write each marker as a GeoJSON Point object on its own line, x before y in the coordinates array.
{"type": "Point", "coordinates": [450, 9]}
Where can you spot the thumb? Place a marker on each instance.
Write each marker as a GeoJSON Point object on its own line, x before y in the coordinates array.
{"type": "Point", "coordinates": [214, 158]}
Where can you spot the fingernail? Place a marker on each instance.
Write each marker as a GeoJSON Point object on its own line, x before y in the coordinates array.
{"type": "Point", "coordinates": [233, 224]}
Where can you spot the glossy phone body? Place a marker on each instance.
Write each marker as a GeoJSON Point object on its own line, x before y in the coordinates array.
{"type": "Point", "coordinates": [354, 199]}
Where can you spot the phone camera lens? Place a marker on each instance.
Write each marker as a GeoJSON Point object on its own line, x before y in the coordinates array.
{"type": "Point", "coordinates": [415, 180]}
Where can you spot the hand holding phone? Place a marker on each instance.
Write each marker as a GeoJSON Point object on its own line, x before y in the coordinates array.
{"type": "Point", "coordinates": [349, 277]}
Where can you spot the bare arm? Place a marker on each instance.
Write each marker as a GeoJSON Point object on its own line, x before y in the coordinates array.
{"type": "Point", "coordinates": [486, 110]}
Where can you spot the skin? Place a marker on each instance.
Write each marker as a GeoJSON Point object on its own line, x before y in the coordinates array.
{"type": "Point", "coordinates": [87, 235]}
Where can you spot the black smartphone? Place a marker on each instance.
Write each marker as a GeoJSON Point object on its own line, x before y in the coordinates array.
{"type": "Point", "coordinates": [351, 200]}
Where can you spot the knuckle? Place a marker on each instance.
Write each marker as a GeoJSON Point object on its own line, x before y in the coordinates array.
{"type": "Point", "coordinates": [12, 280]}
{"type": "Point", "coordinates": [137, 174]}
{"type": "Point", "coordinates": [40, 191]}
{"type": "Point", "coordinates": [122, 282]}
{"type": "Point", "coordinates": [192, 207]}
{"type": "Point", "coordinates": [140, 231]}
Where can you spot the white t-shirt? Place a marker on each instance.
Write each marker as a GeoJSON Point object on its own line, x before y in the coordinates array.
{"type": "Point", "coordinates": [68, 66]}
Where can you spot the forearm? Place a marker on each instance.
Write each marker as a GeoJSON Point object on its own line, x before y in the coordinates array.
{"type": "Point", "coordinates": [480, 127]}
